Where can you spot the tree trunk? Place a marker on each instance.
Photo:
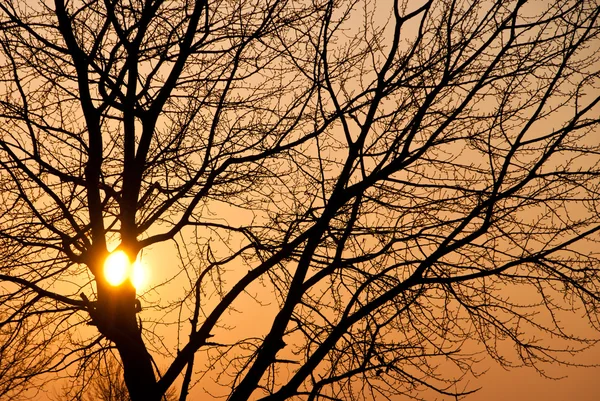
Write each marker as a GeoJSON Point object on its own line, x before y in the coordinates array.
{"type": "Point", "coordinates": [115, 316]}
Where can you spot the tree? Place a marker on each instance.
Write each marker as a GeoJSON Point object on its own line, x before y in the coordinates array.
{"type": "Point", "coordinates": [391, 178]}
{"type": "Point", "coordinates": [106, 385]}
{"type": "Point", "coordinates": [109, 386]}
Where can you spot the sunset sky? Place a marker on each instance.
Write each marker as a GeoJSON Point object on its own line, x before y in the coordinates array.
{"type": "Point", "coordinates": [304, 199]}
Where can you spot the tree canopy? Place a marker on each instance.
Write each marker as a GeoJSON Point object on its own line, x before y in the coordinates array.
{"type": "Point", "coordinates": [383, 191]}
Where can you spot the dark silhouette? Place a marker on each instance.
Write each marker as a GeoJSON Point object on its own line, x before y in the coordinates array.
{"type": "Point", "coordinates": [107, 384]}
{"type": "Point", "coordinates": [386, 189]}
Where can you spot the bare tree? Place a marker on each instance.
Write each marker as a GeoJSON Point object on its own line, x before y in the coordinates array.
{"type": "Point", "coordinates": [407, 183]}
{"type": "Point", "coordinates": [107, 384]}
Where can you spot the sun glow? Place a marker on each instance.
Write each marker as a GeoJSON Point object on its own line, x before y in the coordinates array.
{"type": "Point", "coordinates": [118, 268]}
{"type": "Point", "coordinates": [139, 275]}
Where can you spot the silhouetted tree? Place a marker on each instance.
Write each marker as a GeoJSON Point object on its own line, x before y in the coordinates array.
{"type": "Point", "coordinates": [109, 385]}
{"type": "Point", "coordinates": [397, 186]}
{"type": "Point", "coordinates": [106, 384]}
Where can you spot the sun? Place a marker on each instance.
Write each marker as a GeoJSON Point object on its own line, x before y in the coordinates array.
{"type": "Point", "coordinates": [139, 275]}
{"type": "Point", "coordinates": [118, 268]}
